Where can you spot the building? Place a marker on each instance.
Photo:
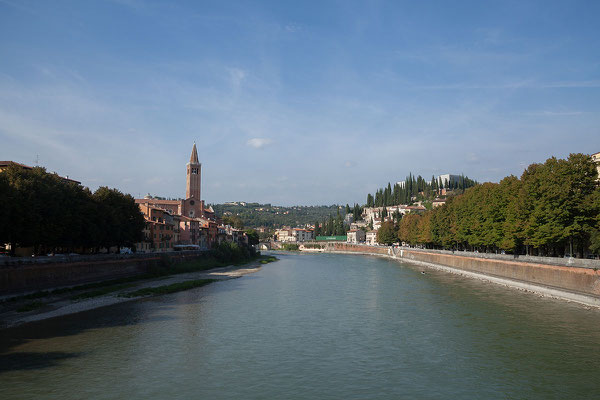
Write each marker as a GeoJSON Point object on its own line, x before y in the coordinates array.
{"type": "Point", "coordinates": [6, 164]}
{"type": "Point", "coordinates": [355, 236]}
{"type": "Point", "coordinates": [196, 223]}
{"type": "Point", "coordinates": [447, 180]}
{"type": "Point", "coordinates": [161, 231]}
{"type": "Point", "coordinates": [375, 212]}
{"type": "Point", "coordinates": [359, 225]}
{"type": "Point", "coordinates": [371, 238]}
{"type": "Point", "coordinates": [438, 202]}
{"type": "Point", "coordinates": [294, 235]}
{"type": "Point", "coordinates": [377, 223]}
{"type": "Point", "coordinates": [302, 235]}
{"type": "Point", "coordinates": [348, 219]}
{"type": "Point", "coordinates": [192, 206]}
{"type": "Point", "coordinates": [282, 235]}
{"type": "Point", "coordinates": [596, 159]}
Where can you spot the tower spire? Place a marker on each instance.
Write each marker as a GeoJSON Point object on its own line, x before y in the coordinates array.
{"type": "Point", "coordinates": [194, 156]}
{"type": "Point", "coordinates": [193, 177]}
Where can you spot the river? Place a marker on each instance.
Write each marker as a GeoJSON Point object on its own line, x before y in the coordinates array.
{"type": "Point", "coordinates": [314, 326]}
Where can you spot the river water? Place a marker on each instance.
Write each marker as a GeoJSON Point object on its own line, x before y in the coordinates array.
{"type": "Point", "coordinates": [314, 326]}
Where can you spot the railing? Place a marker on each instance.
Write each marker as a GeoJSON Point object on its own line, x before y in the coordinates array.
{"type": "Point", "coordinates": [564, 262]}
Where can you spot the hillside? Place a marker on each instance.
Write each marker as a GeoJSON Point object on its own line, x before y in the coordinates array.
{"type": "Point", "coordinates": [255, 214]}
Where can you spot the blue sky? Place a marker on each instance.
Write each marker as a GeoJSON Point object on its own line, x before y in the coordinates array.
{"type": "Point", "coordinates": [295, 102]}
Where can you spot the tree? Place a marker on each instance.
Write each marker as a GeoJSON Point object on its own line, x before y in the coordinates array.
{"type": "Point", "coordinates": [386, 234]}
{"type": "Point", "coordinates": [123, 222]}
{"type": "Point", "coordinates": [408, 231]}
{"type": "Point", "coordinates": [370, 201]}
{"type": "Point", "coordinates": [253, 238]}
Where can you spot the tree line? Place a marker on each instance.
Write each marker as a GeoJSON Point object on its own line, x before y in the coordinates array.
{"type": "Point", "coordinates": [416, 188]}
{"type": "Point", "coordinates": [332, 226]}
{"type": "Point", "coordinates": [552, 209]}
{"type": "Point", "coordinates": [49, 213]}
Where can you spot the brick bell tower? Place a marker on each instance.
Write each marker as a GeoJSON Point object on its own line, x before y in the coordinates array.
{"type": "Point", "coordinates": [193, 176]}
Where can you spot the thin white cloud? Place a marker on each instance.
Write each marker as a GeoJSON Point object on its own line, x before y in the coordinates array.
{"type": "Point", "coordinates": [258, 143]}
{"type": "Point", "coordinates": [292, 27]}
{"type": "Point", "coordinates": [555, 113]}
{"type": "Point", "coordinates": [236, 76]}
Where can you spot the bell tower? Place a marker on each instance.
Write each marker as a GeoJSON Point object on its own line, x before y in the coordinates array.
{"type": "Point", "coordinates": [193, 176]}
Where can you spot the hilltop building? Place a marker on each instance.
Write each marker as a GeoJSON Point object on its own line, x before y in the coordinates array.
{"type": "Point", "coordinates": [447, 180]}
{"type": "Point", "coordinates": [596, 159]}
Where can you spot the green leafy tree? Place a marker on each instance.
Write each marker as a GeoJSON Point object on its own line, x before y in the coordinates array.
{"type": "Point", "coordinates": [386, 234]}
{"type": "Point", "coordinates": [253, 238]}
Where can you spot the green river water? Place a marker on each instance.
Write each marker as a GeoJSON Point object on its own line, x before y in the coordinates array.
{"type": "Point", "coordinates": [314, 326]}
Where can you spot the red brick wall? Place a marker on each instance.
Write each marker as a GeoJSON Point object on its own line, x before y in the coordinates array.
{"type": "Point", "coordinates": [574, 279]}
{"type": "Point", "coordinates": [26, 278]}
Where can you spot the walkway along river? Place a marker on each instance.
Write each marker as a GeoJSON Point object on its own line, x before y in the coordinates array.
{"type": "Point", "coordinates": [314, 326]}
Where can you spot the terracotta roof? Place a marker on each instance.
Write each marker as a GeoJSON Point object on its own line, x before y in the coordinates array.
{"type": "Point", "coordinates": [157, 201]}
{"type": "Point", "coordinates": [7, 163]}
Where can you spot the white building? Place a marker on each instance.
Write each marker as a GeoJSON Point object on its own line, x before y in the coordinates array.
{"type": "Point", "coordinates": [448, 179]}
{"type": "Point", "coordinates": [283, 235]}
{"type": "Point", "coordinates": [596, 159]}
{"type": "Point", "coordinates": [358, 225]}
{"type": "Point", "coordinates": [371, 238]}
{"type": "Point", "coordinates": [375, 212]}
{"type": "Point", "coordinates": [355, 236]}
{"type": "Point", "coordinates": [294, 235]}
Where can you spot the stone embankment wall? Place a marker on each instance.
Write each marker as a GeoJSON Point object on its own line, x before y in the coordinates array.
{"type": "Point", "coordinates": [28, 278]}
{"type": "Point", "coordinates": [581, 280]}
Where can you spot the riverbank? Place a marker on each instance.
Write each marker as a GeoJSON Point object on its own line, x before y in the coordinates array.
{"type": "Point", "coordinates": [576, 284]}
{"type": "Point", "coordinates": [24, 309]}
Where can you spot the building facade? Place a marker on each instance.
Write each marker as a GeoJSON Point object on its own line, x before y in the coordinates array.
{"type": "Point", "coordinates": [196, 223]}
{"type": "Point", "coordinates": [371, 238]}
{"type": "Point", "coordinates": [596, 159]}
{"type": "Point", "coordinates": [355, 236]}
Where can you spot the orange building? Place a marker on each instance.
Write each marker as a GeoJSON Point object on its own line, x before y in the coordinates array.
{"type": "Point", "coordinates": [161, 231]}
{"type": "Point", "coordinates": [196, 223]}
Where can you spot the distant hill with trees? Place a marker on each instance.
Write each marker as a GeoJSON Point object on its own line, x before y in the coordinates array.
{"type": "Point", "coordinates": [253, 215]}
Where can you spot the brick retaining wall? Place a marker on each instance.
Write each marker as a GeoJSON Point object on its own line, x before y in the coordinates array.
{"type": "Point", "coordinates": [573, 279]}
{"type": "Point", "coordinates": [28, 278]}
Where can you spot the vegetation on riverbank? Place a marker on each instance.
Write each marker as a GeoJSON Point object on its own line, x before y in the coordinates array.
{"type": "Point", "coordinates": [71, 217]}
{"type": "Point", "coordinates": [290, 247]}
{"type": "Point", "coordinates": [167, 289]}
{"type": "Point", "coordinates": [102, 291]}
{"type": "Point", "coordinates": [552, 209]}
{"type": "Point", "coordinates": [268, 259]}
